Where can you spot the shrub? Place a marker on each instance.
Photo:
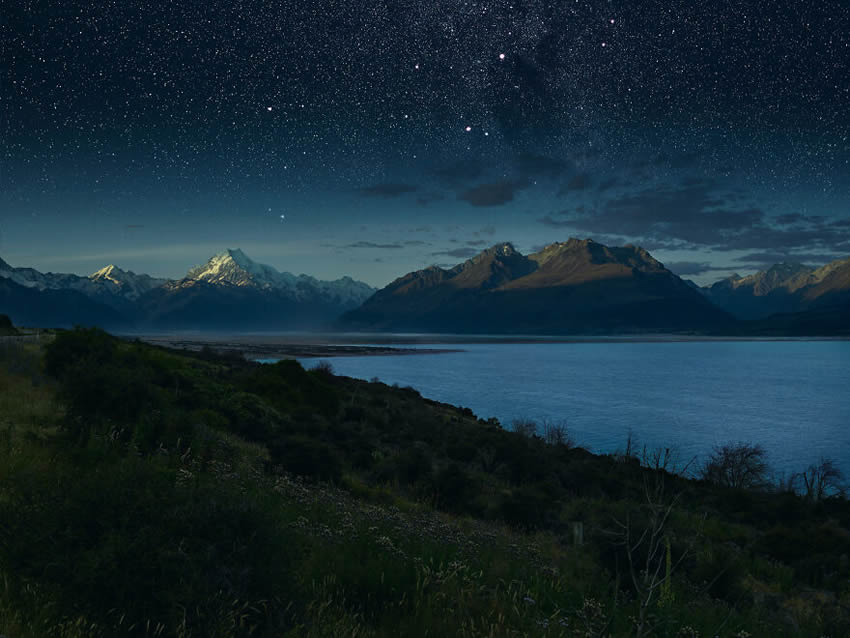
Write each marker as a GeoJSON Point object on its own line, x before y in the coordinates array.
{"type": "Point", "coordinates": [252, 417]}
{"type": "Point", "coordinates": [70, 347]}
{"type": "Point", "coordinates": [98, 395]}
{"type": "Point", "coordinates": [821, 480]}
{"type": "Point", "coordinates": [526, 508]}
{"type": "Point", "coordinates": [413, 465]}
{"type": "Point", "coordinates": [452, 487]}
{"type": "Point", "coordinates": [557, 434]}
{"type": "Point", "coordinates": [737, 465]}
{"type": "Point", "coordinates": [306, 457]}
{"type": "Point", "coordinates": [324, 368]}
{"type": "Point", "coordinates": [118, 543]}
{"type": "Point", "coordinates": [6, 326]}
{"type": "Point", "coordinates": [525, 427]}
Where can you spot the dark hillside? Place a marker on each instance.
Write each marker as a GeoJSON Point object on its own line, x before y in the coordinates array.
{"type": "Point", "coordinates": [149, 492]}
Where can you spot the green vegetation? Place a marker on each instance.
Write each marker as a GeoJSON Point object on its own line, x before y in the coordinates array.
{"type": "Point", "coordinates": [149, 492]}
{"type": "Point", "coordinates": [6, 327]}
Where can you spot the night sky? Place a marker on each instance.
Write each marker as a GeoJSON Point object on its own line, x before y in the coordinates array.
{"type": "Point", "coordinates": [342, 137]}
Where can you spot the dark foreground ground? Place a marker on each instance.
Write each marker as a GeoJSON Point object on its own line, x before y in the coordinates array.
{"type": "Point", "coordinates": [148, 491]}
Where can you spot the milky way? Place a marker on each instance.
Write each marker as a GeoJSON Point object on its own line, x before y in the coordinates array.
{"type": "Point", "coordinates": [526, 116]}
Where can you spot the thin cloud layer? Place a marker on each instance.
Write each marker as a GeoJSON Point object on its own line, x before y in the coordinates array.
{"type": "Point", "coordinates": [694, 214]}
{"type": "Point", "coordinates": [494, 193]}
{"type": "Point", "coordinates": [387, 190]}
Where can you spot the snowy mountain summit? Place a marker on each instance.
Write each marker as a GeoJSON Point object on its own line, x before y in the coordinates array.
{"type": "Point", "coordinates": [234, 268]}
{"type": "Point", "coordinates": [125, 283]}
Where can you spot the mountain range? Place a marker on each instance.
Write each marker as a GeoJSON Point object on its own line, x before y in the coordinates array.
{"type": "Point", "coordinates": [228, 292]}
{"type": "Point", "coordinates": [572, 287]}
{"type": "Point", "coordinates": [783, 289]}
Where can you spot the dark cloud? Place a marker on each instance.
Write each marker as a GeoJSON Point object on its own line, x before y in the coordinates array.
{"type": "Point", "coordinates": [420, 229]}
{"type": "Point", "coordinates": [429, 198]}
{"type": "Point", "coordinates": [779, 257]}
{"type": "Point", "coordinates": [684, 268]}
{"type": "Point", "coordinates": [477, 242]}
{"type": "Point", "coordinates": [841, 223]}
{"type": "Point", "coordinates": [460, 253]}
{"type": "Point", "coordinates": [387, 190]}
{"type": "Point", "coordinates": [792, 218]}
{"type": "Point", "coordinates": [494, 193]}
{"type": "Point", "coordinates": [533, 165]}
{"type": "Point", "coordinates": [607, 184]}
{"type": "Point", "coordinates": [415, 242]}
{"type": "Point", "coordinates": [369, 244]}
{"type": "Point", "coordinates": [460, 172]}
{"type": "Point", "coordinates": [579, 182]}
{"type": "Point", "coordinates": [797, 218]}
{"type": "Point", "coordinates": [694, 214]}
{"type": "Point", "coordinates": [549, 220]}
{"type": "Point", "coordinates": [486, 230]}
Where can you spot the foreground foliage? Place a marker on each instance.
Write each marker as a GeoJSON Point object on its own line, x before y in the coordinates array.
{"type": "Point", "coordinates": [146, 492]}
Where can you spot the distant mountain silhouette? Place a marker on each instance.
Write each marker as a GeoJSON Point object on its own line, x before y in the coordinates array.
{"type": "Point", "coordinates": [786, 288]}
{"type": "Point", "coordinates": [232, 292]}
{"type": "Point", "coordinates": [228, 292]}
{"type": "Point", "coordinates": [51, 308]}
{"type": "Point", "coordinates": [573, 287]}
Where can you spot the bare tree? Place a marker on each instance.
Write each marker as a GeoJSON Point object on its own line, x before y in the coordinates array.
{"type": "Point", "coordinates": [526, 427]}
{"type": "Point", "coordinates": [737, 465]}
{"type": "Point", "coordinates": [324, 368]}
{"type": "Point", "coordinates": [648, 550]}
{"type": "Point", "coordinates": [557, 434]}
{"type": "Point", "coordinates": [822, 480]}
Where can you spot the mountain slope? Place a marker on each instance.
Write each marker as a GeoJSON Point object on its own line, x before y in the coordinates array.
{"type": "Point", "coordinates": [232, 292]}
{"type": "Point", "coordinates": [50, 308]}
{"type": "Point", "coordinates": [567, 288]}
{"type": "Point", "coordinates": [786, 288]}
{"type": "Point", "coordinates": [110, 286]}
{"type": "Point", "coordinates": [235, 268]}
{"type": "Point", "coordinates": [228, 292]}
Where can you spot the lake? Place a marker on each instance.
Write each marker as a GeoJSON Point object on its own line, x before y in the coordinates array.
{"type": "Point", "coordinates": [793, 397]}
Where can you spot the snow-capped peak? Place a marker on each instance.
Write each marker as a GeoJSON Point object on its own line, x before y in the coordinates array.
{"type": "Point", "coordinates": [124, 282]}
{"type": "Point", "coordinates": [110, 273]}
{"type": "Point", "coordinates": [233, 267]}
{"type": "Point", "coordinates": [237, 269]}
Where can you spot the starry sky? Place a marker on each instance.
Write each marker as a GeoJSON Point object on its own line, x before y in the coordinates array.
{"type": "Point", "coordinates": [339, 137]}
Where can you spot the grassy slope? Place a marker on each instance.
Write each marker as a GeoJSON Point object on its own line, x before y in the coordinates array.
{"type": "Point", "coordinates": [169, 502]}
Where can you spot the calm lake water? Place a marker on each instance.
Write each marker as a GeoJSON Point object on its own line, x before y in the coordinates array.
{"type": "Point", "coordinates": [793, 397]}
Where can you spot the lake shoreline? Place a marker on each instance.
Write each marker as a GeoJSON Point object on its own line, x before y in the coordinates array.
{"type": "Point", "coordinates": [262, 351]}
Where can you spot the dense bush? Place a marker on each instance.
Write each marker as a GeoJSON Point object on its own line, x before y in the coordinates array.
{"type": "Point", "coordinates": [307, 457]}
{"type": "Point", "coordinates": [737, 465]}
{"type": "Point", "coordinates": [6, 326]}
{"type": "Point", "coordinates": [117, 540]}
{"type": "Point", "coordinates": [160, 515]}
{"type": "Point", "coordinates": [453, 487]}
